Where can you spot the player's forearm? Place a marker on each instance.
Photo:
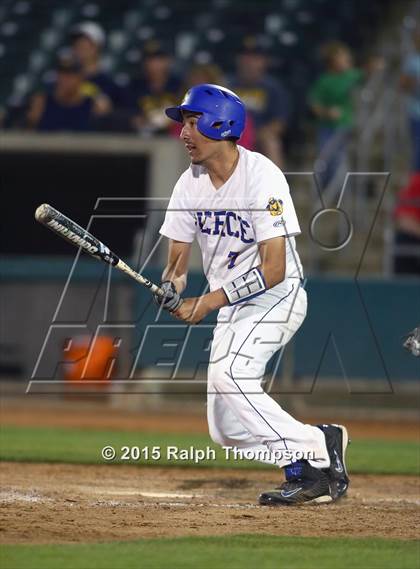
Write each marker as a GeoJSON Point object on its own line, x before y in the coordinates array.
{"type": "Point", "coordinates": [215, 300]}
{"type": "Point", "coordinates": [176, 269]}
{"type": "Point", "coordinates": [273, 274]}
{"type": "Point", "coordinates": [273, 261]}
{"type": "Point", "coordinates": [179, 279]}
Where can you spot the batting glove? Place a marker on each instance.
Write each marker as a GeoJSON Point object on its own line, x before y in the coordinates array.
{"type": "Point", "coordinates": [412, 342]}
{"type": "Point", "coordinates": [171, 301]}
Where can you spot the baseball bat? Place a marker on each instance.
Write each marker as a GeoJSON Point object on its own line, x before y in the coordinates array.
{"type": "Point", "coordinates": [76, 235]}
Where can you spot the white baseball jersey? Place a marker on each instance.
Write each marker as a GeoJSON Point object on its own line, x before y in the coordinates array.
{"type": "Point", "coordinates": [229, 222]}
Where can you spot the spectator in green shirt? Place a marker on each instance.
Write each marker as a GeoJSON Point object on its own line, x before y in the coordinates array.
{"type": "Point", "coordinates": [330, 99]}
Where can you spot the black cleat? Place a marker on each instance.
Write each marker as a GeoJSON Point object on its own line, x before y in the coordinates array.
{"type": "Point", "coordinates": [304, 484]}
{"type": "Point", "coordinates": [337, 439]}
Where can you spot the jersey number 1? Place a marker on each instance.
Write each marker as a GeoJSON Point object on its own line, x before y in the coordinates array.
{"type": "Point", "coordinates": [233, 255]}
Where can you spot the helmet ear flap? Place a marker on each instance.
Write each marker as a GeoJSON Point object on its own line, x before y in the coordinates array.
{"type": "Point", "coordinates": [214, 128]}
{"type": "Point", "coordinates": [205, 125]}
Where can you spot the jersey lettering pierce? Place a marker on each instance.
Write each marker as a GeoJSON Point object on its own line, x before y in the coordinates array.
{"type": "Point", "coordinates": [225, 223]}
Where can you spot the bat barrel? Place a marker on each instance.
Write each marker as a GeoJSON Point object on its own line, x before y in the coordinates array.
{"type": "Point", "coordinates": [73, 233]}
{"type": "Point", "coordinates": [76, 235]}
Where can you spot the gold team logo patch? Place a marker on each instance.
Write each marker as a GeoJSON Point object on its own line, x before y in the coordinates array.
{"type": "Point", "coordinates": [274, 206]}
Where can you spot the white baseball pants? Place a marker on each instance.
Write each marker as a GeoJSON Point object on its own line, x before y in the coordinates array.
{"type": "Point", "coordinates": [240, 414]}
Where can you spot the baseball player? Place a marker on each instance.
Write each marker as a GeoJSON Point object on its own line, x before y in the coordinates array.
{"type": "Point", "coordinates": [237, 204]}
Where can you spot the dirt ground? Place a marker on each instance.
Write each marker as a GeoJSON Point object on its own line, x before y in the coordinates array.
{"type": "Point", "coordinates": [47, 503]}
{"type": "Point", "coordinates": [43, 503]}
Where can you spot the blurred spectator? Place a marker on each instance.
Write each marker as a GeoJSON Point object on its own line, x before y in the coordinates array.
{"type": "Point", "coordinates": [87, 41]}
{"type": "Point", "coordinates": [204, 73]}
{"type": "Point", "coordinates": [331, 101]}
{"type": "Point", "coordinates": [211, 73]}
{"type": "Point", "coordinates": [65, 107]}
{"type": "Point", "coordinates": [266, 100]}
{"type": "Point", "coordinates": [410, 82]}
{"type": "Point", "coordinates": [156, 88]}
{"type": "Point", "coordinates": [407, 233]}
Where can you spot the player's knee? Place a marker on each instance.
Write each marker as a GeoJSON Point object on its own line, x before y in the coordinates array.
{"type": "Point", "coordinates": [237, 376]}
{"type": "Point", "coordinates": [216, 436]}
{"type": "Point", "coordinates": [219, 379]}
{"type": "Point", "coordinates": [246, 379]}
{"type": "Point", "coordinates": [245, 372]}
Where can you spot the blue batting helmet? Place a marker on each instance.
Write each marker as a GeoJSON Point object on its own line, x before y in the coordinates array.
{"type": "Point", "coordinates": [222, 112]}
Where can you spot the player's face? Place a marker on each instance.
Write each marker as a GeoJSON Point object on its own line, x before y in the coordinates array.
{"type": "Point", "coordinates": [199, 147]}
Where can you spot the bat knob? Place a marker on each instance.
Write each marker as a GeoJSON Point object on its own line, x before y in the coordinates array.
{"type": "Point", "coordinates": [42, 211]}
